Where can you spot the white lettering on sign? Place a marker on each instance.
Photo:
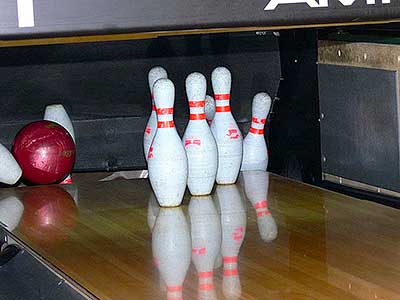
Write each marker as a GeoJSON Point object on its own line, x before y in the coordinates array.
{"type": "Point", "coordinates": [26, 17]}
{"type": "Point", "coordinates": [273, 4]}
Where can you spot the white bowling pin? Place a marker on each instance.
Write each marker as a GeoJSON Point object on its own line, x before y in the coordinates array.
{"type": "Point", "coordinates": [209, 109]}
{"type": "Point", "coordinates": [11, 210]}
{"type": "Point", "coordinates": [206, 242]}
{"type": "Point", "coordinates": [167, 164]}
{"type": "Point", "coordinates": [199, 142]}
{"type": "Point", "coordinates": [171, 246]}
{"type": "Point", "coordinates": [255, 152]}
{"type": "Point", "coordinates": [151, 126]}
{"type": "Point", "coordinates": [233, 222]}
{"type": "Point", "coordinates": [10, 171]}
{"type": "Point", "coordinates": [225, 130]}
{"type": "Point", "coordinates": [58, 114]}
{"type": "Point", "coordinates": [256, 188]}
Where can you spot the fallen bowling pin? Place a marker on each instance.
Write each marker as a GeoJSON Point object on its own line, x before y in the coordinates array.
{"type": "Point", "coordinates": [225, 130]}
{"type": "Point", "coordinates": [210, 109]}
{"type": "Point", "coordinates": [255, 152]}
{"type": "Point", "coordinates": [58, 114]}
{"type": "Point", "coordinates": [233, 222]}
{"type": "Point", "coordinates": [171, 245]}
{"type": "Point", "coordinates": [151, 126]}
{"type": "Point", "coordinates": [167, 164]}
{"type": "Point", "coordinates": [10, 171]}
{"type": "Point", "coordinates": [199, 142]}
{"type": "Point", "coordinates": [206, 243]}
{"type": "Point", "coordinates": [256, 188]}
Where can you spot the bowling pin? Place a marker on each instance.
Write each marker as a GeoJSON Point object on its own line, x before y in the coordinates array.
{"type": "Point", "coordinates": [199, 143]}
{"type": "Point", "coordinates": [11, 210]}
{"type": "Point", "coordinates": [151, 126]}
{"type": "Point", "coordinates": [255, 153]}
{"type": "Point", "coordinates": [171, 245]}
{"type": "Point", "coordinates": [58, 114]}
{"type": "Point", "coordinates": [256, 189]}
{"type": "Point", "coordinates": [167, 164]}
{"type": "Point", "coordinates": [233, 222]}
{"type": "Point", "coordinates": [210, 109]}
{"type": "Point", "coordinates": [10, 171]}
{"type": "Point", "coordinates": [206, 242]}
{"type": "Point", "coordinates": [225, 130]}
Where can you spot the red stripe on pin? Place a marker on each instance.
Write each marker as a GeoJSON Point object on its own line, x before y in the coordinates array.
{"type": "Point", "coordinates": [231, 272]}
{"type": "Point", "coordinates": [260, 204]}
{"type": "Point", "coordinates": [205, 274]}
{"type": "Point", "coordinates": [206, 287]}
{"type": "Point", "coordinates": [197, 117]}
{"type": "Point", "coordinates": [199, 103]}
{"type": "Point", "coordinates": [258, 121]}
{"type": "Point", "coordinates": [263, 213]}
{"type": "Point", "coordinates": [174, 288]}
{"type": "Point", "coordinates": [67, 181]}
{"type": "Point", "coordinates": [256, 131]}
{"type": "Point", "coordinates": [165, 124]}
{"type": "Point", "coordinates": [165, 111]}
{"type": "Point", "coordinates": [222, 96]}
{"type": "Point", "coordinates": [153, 108]}
{"type": "Point", "coordinates": [230, 259]}
{"type": "Point", "coordinates": [222, 109]}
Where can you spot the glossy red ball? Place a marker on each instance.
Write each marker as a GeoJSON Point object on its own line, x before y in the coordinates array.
{"type": "Point", "coordinates": [45, 151]}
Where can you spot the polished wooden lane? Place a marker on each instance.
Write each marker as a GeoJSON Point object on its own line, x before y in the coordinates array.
{"type": "Point", "coordinates": [328, 246]}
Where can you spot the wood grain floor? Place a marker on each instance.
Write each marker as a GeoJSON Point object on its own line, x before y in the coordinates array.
{"type": "Point", "coordinates": [328, 246]}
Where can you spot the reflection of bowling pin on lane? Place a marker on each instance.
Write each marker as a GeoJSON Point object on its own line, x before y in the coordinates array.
{"type": "Point", "coordinates": [152, 212]}
{"type": "Point", "coordinates": [58, 114]}
{"type": "Point", "coordinates": [206, 242]}
{"type": "Point", "coordinates": [11, 210]}
{"type": "Point", "coordinates": [10, 171]}
{"type": "Point", "coordinates": [151, 126]}
{"type": "Point", "coordinates": [225, 130]}
{"type": "Point", "coordinates": [198, 140]}
{"type": "Point", "coordinates": [255, 153]}
{"type": "Point", "coordinates": [171, 246]}
{"type": "Point", "coordinates": [233, 222]}
{"type": "Point", "coordinates": [167, 157]}
{"type": "Point", "coordinates": [256, 189]}
{"type": "Point", "coordinates": [210, 109]}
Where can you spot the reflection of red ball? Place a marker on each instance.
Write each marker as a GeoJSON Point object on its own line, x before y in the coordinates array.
{"type": "Point", "coordinates": [45, 151]}
{"type": "Point", "coordinates": [49, 215]}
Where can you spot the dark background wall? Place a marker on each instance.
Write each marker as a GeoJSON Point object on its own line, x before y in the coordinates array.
{"type": "Point", "coordinates": [104, 87]}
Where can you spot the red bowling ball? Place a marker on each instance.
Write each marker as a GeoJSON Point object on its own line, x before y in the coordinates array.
{"type": "Point", "coordinates": [45, 151]}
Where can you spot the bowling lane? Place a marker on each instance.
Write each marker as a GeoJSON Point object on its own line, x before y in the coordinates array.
{"type": "Point", "coordinates": [279, 239]}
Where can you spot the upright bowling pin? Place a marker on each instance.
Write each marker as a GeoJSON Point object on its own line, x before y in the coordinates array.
{"type": "Point", "coordinates": [210, 109]}
{"type": "Point", "coordinates": [199, 143]}
{"type": "Point", "coordinates": [151, 126]}
{"type": "Point", "coordinates": [11, 210]}
{"type": "Point", "coordinates": [167, 164]}
{"type": "Point", "coordinates": [206, 242]}
{"type": "Point", "coordinates": [233, 222]}
{"type": "Point", "coordinates": [256, 188]}
{"type": "Point", "coordinates": [225, 130]}
{"type": "Point", "coordinates": [255, 153]}
{"type": "Point", "coordinates": [171, 246]}
{"type": "Point", "coordinates": [10, 171]}
{"type": "Point", "coordinates": [58, 114]}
